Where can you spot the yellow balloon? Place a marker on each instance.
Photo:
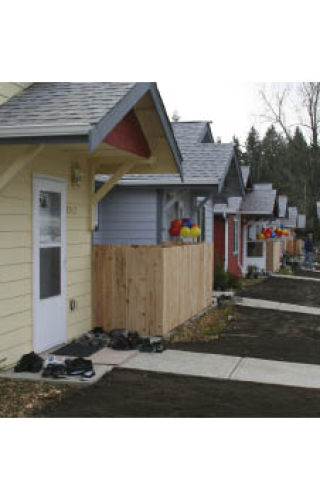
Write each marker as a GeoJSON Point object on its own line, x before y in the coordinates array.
{"type": "Point", "coordinates": [185, 232]}
{"type": "Point", "coordinates": [195, 232]}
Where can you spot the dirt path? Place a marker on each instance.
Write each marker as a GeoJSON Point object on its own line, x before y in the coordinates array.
{"type": "Point", "coordinates": [307, 274]}
{"type": "Point", "coordinates": [266, 334]}
{"type": "Point", "coordinates": [128, 393]}
{"type": "Point", "coordinates": [306, 293]}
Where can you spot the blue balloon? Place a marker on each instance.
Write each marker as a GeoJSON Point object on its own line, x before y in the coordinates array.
{"type": "Point", "coordinates": [273, 234]}
{"type": "Point", "coordinates": [187, 223]}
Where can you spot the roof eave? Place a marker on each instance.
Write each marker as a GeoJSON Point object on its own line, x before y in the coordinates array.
{"type": "Point", "coordinates": [253, 212]}
{"type": "Point", "coordinates": [63, 133]}
{"type": "Point", "coordinates": [94, 134]}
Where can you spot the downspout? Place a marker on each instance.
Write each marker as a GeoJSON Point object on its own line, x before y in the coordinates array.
{"type": "Point", "coordinates": [241, 244]}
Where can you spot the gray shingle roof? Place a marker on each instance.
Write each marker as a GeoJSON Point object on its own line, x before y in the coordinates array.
{"type": "Point", "coordinates": [189, 132]}
{"type": "Point", "coordinates": [62, 103]}
{"type": "Point", "coordinates": [302, 221]}
{"type": "Point", "coordinates": [86, 111]}
{"type": "Point", "coordinates": [203, 163]}
{"type": "Point", "coordinates": [245, 170]}
{"type": "Point", "coordinates": [232, 206]}
{"type": "Point", "coordinates": [282, 205]}
{"type": "Point", "coordinates": [259, 201]}
{"type": "Point", "coordinates": [292, 216]}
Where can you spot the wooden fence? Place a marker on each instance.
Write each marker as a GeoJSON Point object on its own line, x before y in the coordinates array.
{"type": "Point", "coordinates": [273, 260]}
{"type": "Point", "coordinates": [151, 289]}
{"type": "Point", "coordinates": [294, 246]}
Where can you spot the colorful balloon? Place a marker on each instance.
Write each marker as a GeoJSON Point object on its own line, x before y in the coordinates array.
{"type": "Point", "coordinates": [195, 231]}
{"type": "Point", "coordinates": [174, 231]}
{"type": "Point", "coordinates": [176, 223]}
{"type": "Point", "coordinates": [185, 232]}
{"type": "Point", "coordinates": [187, 223]}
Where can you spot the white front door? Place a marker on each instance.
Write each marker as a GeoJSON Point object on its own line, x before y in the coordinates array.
{"type": "Point", "coordinates": [49, 262]}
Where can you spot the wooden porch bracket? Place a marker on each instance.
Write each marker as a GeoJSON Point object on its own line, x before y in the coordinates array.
{"type": "Point", "coordinates": [107, 186]}
{"type": "Point", "coordinates": [18, 164]}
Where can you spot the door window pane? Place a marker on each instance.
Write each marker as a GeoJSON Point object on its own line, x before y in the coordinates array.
{"type": "Point", "coordinates": [255, 249]}
{"type": "Point", "coordinates": [50, 217]}
{"type": "Point", "coordinates": [235, 244]}
{"type": "Point", "coordinates": [50, 281]}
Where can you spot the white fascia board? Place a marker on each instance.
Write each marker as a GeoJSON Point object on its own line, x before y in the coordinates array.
{"type": "Point", "coordinates": [45, 130]}
{"type": "Point", "coordinates": [255, 213]}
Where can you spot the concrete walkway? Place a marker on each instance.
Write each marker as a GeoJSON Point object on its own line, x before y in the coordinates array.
{"type": "Point", "coordinates": [276, 306]}
{"type": "Point", "coordinates": [294, 277]}
{"type": "Point", "coordinates": [217, 366]}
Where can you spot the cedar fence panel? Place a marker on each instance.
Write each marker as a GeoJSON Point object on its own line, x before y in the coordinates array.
{"type": "Point", "coordinates": [294, 246]}
{"type": "Point", "coordinates": [273, 256]}
{"type": "Point", "coordinates": [151, 289]}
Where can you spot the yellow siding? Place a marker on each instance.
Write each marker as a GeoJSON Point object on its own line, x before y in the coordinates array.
{"type": "Point", "coordinates": [16, 258]}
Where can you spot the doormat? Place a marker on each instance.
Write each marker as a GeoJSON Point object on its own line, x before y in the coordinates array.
{"type": "Point", "coordinates": [107, 356]}
{"type": "Point", "coordinates": [77, 350]}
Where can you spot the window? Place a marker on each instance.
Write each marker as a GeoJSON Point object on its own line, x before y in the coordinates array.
{"type": "Point", "coordinates": [235, 239]}
{"type": "Point", "coordinates": [255, 249]}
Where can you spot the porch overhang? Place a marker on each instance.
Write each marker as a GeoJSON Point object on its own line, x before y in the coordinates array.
{"type": "Point", "coordinates": [90, 140]}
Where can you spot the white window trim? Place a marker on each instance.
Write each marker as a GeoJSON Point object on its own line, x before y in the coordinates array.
{"type": "Point", "coordinates": [235, 236]}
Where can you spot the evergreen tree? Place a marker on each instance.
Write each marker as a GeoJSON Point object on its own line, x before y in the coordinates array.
{"type": "Point", "coordinates": [252, 156]}
{"type": "Point", "coordinates": [239, 152]}
{"type": "Point", "coordinates": [273, 157]}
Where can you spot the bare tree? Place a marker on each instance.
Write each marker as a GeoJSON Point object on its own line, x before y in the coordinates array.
{"type": "Point", "coordinates": [310, 94]}
{"type": "Point", "coordinates": [276, 108]}
{"type": "Point", "coordinates": [301, 102]}
{"type": "Point", "coordinates": [278, 104]}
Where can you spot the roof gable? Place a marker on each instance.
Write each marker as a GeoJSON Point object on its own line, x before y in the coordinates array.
{"type": "Point", "coordinates": [82, 109]}
{"type": "Point", "coordinates": [194, 132]}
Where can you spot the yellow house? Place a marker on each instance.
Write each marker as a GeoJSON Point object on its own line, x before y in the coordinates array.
{"type": "Point", "coordinates": [54, 138]}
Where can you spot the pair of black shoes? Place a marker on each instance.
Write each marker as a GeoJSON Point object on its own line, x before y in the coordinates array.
{"type": "Point", "coordinates": [29, 363]}
{"type": "Point", "coordinates": [80, 366]}
{"type": "Point", "coordinates": [152, 345]}
{"type": "Point", "coordinates": [123, 341]}
{"type": "Point", "coordinates": [70, 368]}
{"type": "Point", "coordinates": [54, 370]}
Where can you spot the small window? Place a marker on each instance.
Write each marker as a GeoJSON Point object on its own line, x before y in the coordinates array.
{"type": "Point", "coordinates": [235, 239]}
{"type": "Point", "coordinates": [255, 249]}
{"type": "Point", "coordinates": [50, 272]}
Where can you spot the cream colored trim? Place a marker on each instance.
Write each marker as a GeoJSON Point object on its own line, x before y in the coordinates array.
{"type": "Point", "coordinates": [18, 164]}
{"type": "Point", "coordinates": [105, 188]}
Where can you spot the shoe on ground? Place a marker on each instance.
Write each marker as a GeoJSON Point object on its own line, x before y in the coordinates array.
{"type": "Point", "coordinates": [78, 366]}
{"type": "Point", "coordinates": [88, 375]}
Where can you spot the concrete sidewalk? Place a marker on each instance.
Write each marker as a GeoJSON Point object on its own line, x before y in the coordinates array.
{"type": "Point", "coordinates": [217, 366]}
{"type": "Point", "coordinates": [276, 306]}
{"type": "Point", "coordinates": [294, 277]}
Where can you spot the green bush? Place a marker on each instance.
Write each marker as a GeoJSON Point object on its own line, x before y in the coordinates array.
{"type": "Point", "coordinates": [224, 280]}
{"type": "Point", "coordinates": [233, 281]}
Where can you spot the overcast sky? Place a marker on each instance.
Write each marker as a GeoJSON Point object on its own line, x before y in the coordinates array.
{"type": "Point", "coordinates": [233, 107]}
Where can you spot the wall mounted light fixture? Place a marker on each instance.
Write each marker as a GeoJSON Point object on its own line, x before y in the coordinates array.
{"type": "Point", "coordinates": [76, 175]}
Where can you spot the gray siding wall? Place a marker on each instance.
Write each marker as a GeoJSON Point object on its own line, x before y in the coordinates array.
{"type": "Point", "coordinates": [127, 216]}
{"type": "Point", "coordinates": [208, 221]}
